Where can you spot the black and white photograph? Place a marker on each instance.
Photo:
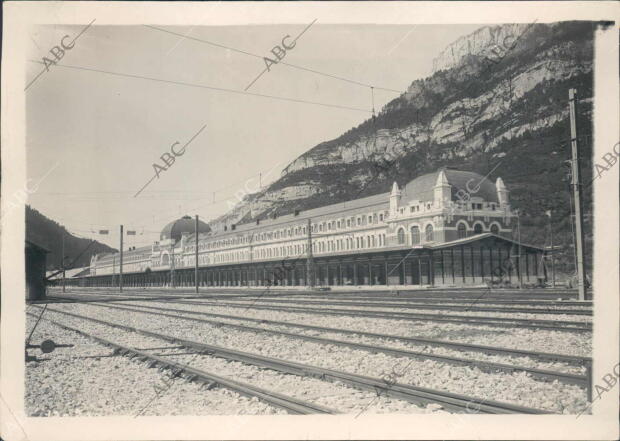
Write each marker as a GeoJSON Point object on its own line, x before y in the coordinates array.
{"type": "Point", "coordinates": [310, 220]}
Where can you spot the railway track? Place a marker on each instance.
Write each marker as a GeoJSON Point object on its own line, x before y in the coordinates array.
{"type": "Point", "coordinates": [413, 394]}
{"type": "Point", "coordinates": [480, 300]}
{"type": "Point", "coordinates": [290, 404]}
{"type": "Point", "coordinates": [564, 326]}
{"type": "Point", "coordinates": [472, 306]}
{"type": "Point", "coordinates": [486, 366]}
{"type": "Point", "coordinates": [437, 295]}
{"type": "Point", "coordinates": [468, 304]}
{"type": "Point", "coordinates": [571, 359]}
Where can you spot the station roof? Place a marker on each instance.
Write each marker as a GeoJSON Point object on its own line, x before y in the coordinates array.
{"type": "Point", "coordinates": [479, 237]}
{"type": "Point", "coordinates": [421, 188]}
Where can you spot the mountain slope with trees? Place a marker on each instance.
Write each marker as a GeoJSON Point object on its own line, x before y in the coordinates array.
{"type": "Point", "coordinates": [489, 109]}
{"type": "Point", "coordinates": [48, 233]}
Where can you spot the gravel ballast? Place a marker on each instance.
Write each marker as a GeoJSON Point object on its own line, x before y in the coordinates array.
{"type": "Point", "coordinates": [85, 380]}
{"type": "Point", "coordinates": [541, 340]}
{"type": "Point", "coordinates": [52, 383]}
{"type": "Point", "coordinates": [517, 388]}
{"type": "Point", "coordinates": [513, 360]}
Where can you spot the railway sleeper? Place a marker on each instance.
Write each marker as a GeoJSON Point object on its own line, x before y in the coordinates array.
{"type": "Point", "coordinates": [414, 394]}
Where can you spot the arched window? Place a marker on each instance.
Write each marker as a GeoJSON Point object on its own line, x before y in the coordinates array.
{"type": "Point", "coordinates": [429, 233]}
{"type": "Point", "coordinates": [401, 237]}
{"type": "Point", "coordinates": [494, 229]}
{"type": "Point", "coordinates": [478, 229]}
{"type": "Point", "coordinates": [415, 235]}
{"type": "Point", "coordinates": [461, 231]}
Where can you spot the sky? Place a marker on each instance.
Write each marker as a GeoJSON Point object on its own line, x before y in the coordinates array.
{"type": "Point", "coordinates": [93, 137]}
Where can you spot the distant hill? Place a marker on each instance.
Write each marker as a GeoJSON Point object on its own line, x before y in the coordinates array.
{"type": "Point", "coordinates": [48, 233]}
{"type": "Point", "coordinates": [473, 116]}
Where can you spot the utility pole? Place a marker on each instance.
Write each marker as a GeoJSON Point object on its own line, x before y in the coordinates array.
{"type": "Point", "coordinates": [120, 268]}
{"type": "Point", "coordinates": [196, 244]}
{"type": "Point", "coordinates": [552, 252]}
{"type": "Point", "coordinates": [576, 184]}
{"type": "Point", "coordinates": [519, 257]}
{"type": "Point", "coordinates": [310, 259]}
{"type": "Point", "coordinates": [172, 263]}
{"type": "Point", "coordinates": [62, 260]}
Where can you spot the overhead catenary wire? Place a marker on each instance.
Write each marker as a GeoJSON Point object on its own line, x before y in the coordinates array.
{"type": "Point", "coordinates": [202, 86]}
{"type": "Point", "coordinates": [294, 66]}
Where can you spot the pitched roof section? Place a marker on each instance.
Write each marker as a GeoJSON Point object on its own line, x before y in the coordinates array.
{"type": "Point", "coordinates": [477, 237]}
{"type": "Point", "coordinates": [421, 188]}
{"type": "Point", "coordinates": [370, 202]}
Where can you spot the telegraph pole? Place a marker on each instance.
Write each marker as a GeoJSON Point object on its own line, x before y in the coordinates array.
{"type": "Point", "coordinates": [519, 258]}
{"type": "Point", "coordinates": [196, 243]}
{"type": "Point", "coordinates": [552, 253]}
{"type": "Point", "coordinates": [120, 270]}
{"type": "Point", "coordinates": [576, 184]}
{"type": "Point", "coordinates": [172, 263]}
{"type": "Point", "coordinates": [310, 259]}
{"type": "Point", "coordinates": [62, 261]}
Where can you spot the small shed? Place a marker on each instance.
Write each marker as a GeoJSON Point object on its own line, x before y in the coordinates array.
{"type": "Point", "coordinates": [35, 271]}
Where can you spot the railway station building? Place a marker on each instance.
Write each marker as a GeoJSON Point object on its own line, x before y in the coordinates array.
{"type": "Point", "coordinates": [446, 228]}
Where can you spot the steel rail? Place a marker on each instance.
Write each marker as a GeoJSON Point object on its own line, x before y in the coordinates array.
{"type": "Point", "coordinates": [484, 300]}
{"type": "Point", "coordinates": [572, 359]}
{"type": "Point", "coordinates": [290, 404]}
{"type": "Point", "coordinates": [477, 320]}
{"type": "Point", "coordinates": [573, 326]}
{"type": "Point", "coordinates": [481, 299]}
{"type": "Point", "coordinates": [471, 307]}
{"type": "Point", "coordinates": [437, 293]}
{"type": "Point", "coordinates": [413, 394]}
{"type": "Point", "coordinates": [487, 366]}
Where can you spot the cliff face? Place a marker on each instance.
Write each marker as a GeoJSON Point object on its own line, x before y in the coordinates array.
{"type": "Point", "coordinates": [498, 95]}
{"type": "Point", "coordinates": [479, 43]}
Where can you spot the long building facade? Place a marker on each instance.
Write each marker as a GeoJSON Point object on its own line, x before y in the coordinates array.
{"type": "Point", "coordinates": [446, 228]}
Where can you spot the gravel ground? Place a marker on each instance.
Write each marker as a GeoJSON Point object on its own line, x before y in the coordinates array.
{"type": "Point", "coordinates": [484, 314]}
{"type": "Point", "coordinates": [522, 361]}
{"type": "Point", "coordinates": [517, 388]}
{"type": "Point", "coordinates": [85, 381]}
{"type": "Point", "coordinates": [128, 393]}
{"type": "Point", "coordinates": [569, 343]}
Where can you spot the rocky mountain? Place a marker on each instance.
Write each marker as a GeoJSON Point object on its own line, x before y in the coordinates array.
{"type": "Point", "coordinates": [497, 101]}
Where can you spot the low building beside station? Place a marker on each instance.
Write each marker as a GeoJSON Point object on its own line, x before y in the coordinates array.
{"type": "Point", "coordinates": [36, 284]}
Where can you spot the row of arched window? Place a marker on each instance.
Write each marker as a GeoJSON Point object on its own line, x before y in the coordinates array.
{"type": "Point", "coordinates": [429, 235]}
{"type": "Point", "coordinates": [462, 228]}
